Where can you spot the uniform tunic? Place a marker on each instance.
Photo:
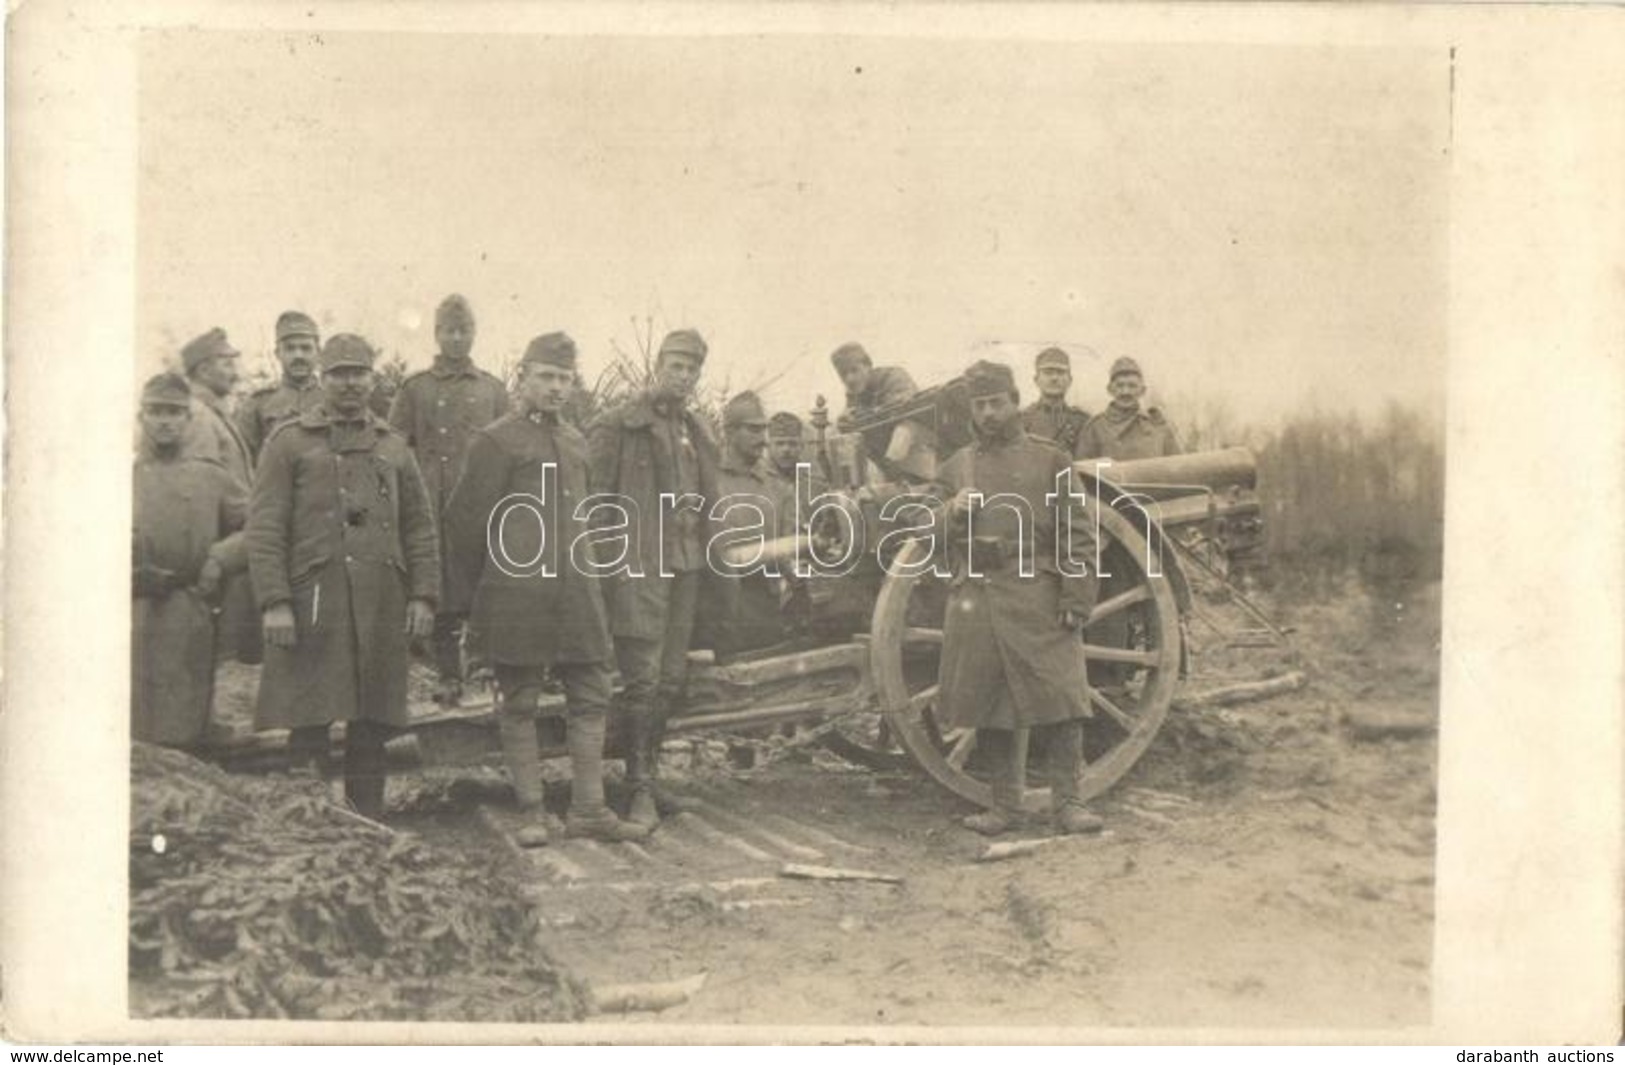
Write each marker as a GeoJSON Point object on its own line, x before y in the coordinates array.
{"type": "Point", "coordinates": [1124, 435]}
{"type": "Point", "coordinates": [1060, 423]}
{"type": "Point", "coordinates": [524, 617]}
{"type": "Point", "coordinates": [339, 526]}
{"type": "Point", "coordinates": [187, 510]}
{"type": "Point", "coordinates": [267, 408]}
{"type": "Point", "coordinates": [438, 410]}
{"type": "Point", "coordinates": [1006, 660]}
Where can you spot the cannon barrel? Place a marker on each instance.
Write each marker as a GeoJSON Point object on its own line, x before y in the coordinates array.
{"type": "Point", "coordinates": [1174, 475]}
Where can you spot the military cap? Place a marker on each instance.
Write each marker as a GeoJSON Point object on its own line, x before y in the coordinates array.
{"type": "Point", "coordinates": [1052, 357]}
{"type": "Point", "coordinates": [684, 342]}
{"type": "Point", "coordinates": [1123, 366]}
{"type": "Point", "coordinates": [211, 345]}
{"type": "Point", "coordinates": [296, 324]}
{"type": "Point", "coordinates": [989, 379]}
{"type": "Point", "coordinates": [784, 424]}
{"type": "Point", "coordinates": [744, 409]}
{"type": "Point", "coordinates": [347, 349]}
{"type": "Point", "coordinates": [453, 306]}
{"type": "Point", "coordinates": [849, 354]}
{"type": "Point", "coordinates": [166, 390]}
{"type": "Point", "coordinates": [551, 349]}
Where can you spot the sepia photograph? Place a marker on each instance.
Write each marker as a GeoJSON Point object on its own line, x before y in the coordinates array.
{"type": "Point", "coordinates": [818, 530]}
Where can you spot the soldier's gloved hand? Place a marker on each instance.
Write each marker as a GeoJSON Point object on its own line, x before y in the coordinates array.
{"type": "Point", "coordinates": [959, 505]}
{"type": "Point", "coordinates": [419, 619]}
{"type": "Point", "coordinates": [277, 624]}
{"type": "Point", "coordinates": [1074, 620]}
{"type": "Point", "coordinates": [208, 579]}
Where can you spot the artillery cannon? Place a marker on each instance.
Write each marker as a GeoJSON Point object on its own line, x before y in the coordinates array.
{"type": "Point", "coordinates": [864, 654]}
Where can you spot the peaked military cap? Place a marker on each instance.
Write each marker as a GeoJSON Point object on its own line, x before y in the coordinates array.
{"type": "Point", "coordinates": [684, 342]}
{"type": "Point", "coordinates": [989, 379]}
{"type": "Point", "coordinates": [1052, 357]}
{"type": "Point", "coordinates": [784, 424]}
{"type": "Point", "coordinates": [744, 409]}
{"type": "Point", "coordinates": [453, 306]}
{"type": "Point", "coordinates": [347, 349]}
{"type": "Point", "coordinates": [211, 345]}
{"type": "Point", "coordinates": [850, 354]}
{"type": "Point", "coordinates": [1123, 366]}
{"type": "Point", "coordinates": [296, 324]}
{"type": "Point", "coordinates": [166, 390]}
{"type": "Point", "coordinates": [551, 349]}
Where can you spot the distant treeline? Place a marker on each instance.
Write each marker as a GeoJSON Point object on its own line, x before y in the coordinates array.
{"type": "Point", "coordinates": [1343, 495]}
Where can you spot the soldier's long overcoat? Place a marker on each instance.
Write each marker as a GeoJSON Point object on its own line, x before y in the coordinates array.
{"type": "Point", "coordinates": [339, 526]}
{"type": "Point", "coordinates": [525, 617]}
{"type": "Point", "coordinates": [634, 460]}
{"type": "Point", "coordinates": [1007, 662]}
{"type": "Point", "coordinates": [187, 510]}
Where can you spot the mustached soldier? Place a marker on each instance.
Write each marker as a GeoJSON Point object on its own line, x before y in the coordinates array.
{"type": "Point", "coordinates": [533, 608]}
{"type": "Point", "coordinates": [1051, 416]}
{"type": "Point", "coordinates": [298, 345]}
{"type": "Point", "coordinates": [1012, 656]}
{"type": "Point", "coordinates": [346, 567]}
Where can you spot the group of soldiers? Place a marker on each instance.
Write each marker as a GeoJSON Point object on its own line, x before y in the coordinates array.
{"type": "Point", "coordinates": [308, 533]}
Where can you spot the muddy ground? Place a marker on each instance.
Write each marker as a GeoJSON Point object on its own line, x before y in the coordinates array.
{"type": "Point", "coordinates": [1261, 866]}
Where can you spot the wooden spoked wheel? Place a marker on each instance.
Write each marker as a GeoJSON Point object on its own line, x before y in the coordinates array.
{"type": "Point", "coordinates": [1133, 643]}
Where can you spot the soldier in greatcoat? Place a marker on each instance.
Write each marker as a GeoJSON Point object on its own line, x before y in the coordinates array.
{"type": "Point", "coordinates": [298, 342]}
{"type": "Point", "coordinates": [755, 508]}
{"type": "Point", "coordinates": [510, 524]}
{"type": "Point", "coordinates": [210, 362]}
{"type": "Point", "coordinates": [438, 410]}
{"type": "Point", "coordinates": [1012, 653]}
{"type": "Point", "coordinates": [1050, 416]}
{"type": "Point", "coordinates": [345, 561]}
{"type": "Point", "coordinates": [1123, 431]}
{"type": "Point", "coordinates": [653, 446]}
{"type": "Point", "coordinates": [188, 513]}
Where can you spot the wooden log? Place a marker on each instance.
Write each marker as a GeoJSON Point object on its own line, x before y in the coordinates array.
{"type": "Point", "coordinates": [1234, 694]}
{"type": "Point", "coordinates": [627, 998]}
{"type": "Point", "coordinates": [1367, 725]}
{"type": "Point", "coordinates": [829, 872]}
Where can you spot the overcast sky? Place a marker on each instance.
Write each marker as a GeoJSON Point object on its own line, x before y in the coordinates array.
{"type": "Point", "coordinates": [1262, 226]}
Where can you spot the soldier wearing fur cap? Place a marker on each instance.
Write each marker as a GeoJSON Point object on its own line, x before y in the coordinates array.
{"type": "Point", "coordinates": [298, 343]}
{"type": "Point", "coordinates": [533, 607]}
{"type": "Point", "coordinates": [438, 410]}
{"type": "Point", "coordinates": [1050, 416]}
{"type": "Point", "coordinates": [343, 554]}
{"type": "Point", "coordinates": [188, 512]}
{"type": "Point", "coordinates": [657, 454]}
{"type": "Point", "coordinates": [1012, 653]}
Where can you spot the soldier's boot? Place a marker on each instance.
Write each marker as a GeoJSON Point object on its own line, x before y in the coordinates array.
{"type": "Point", "coordinates": [365, 767]}
{"type": "Point", "coordinates": [522, 754]}
{"type": "Point", "coordinates": [310, 751]}
{"type": "Point", "coordinates": [1005, 813]}
{"type": "Point", "coordinates": [640, 761]}
{"type": "Point", "coordinates": [589, 817]}
{"type": "Point", "coordinates": [1067, 810]}
{"type": "Point", "coordinates": [446, 642]}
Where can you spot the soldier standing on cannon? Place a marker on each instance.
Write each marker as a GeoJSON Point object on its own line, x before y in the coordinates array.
{"type": "Point", "coordinates": [298, 342]}
{"type": "Point", "coordinates": [1012, 653]}
{"type": "Point", "coordinates": [658, 456]}
{"type": "Point", "coordinates": [900, 448]}
{"type": "Point", "coordinates": [188, 513]}
{"type": "Point", "coordinates": [437, 410]}
{"type": "Point", "coordinates": [1051, 416]}
{"type": "Point", "coordinates": [510, 524]}
{"type": "Point", "coordinates": [346, 568]}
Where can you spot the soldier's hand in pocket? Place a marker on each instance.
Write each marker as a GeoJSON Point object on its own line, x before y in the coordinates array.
{"type": "Point", "coordinates": [419, 619]}
{"type": "Point", "coordinates": [277, 624]}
